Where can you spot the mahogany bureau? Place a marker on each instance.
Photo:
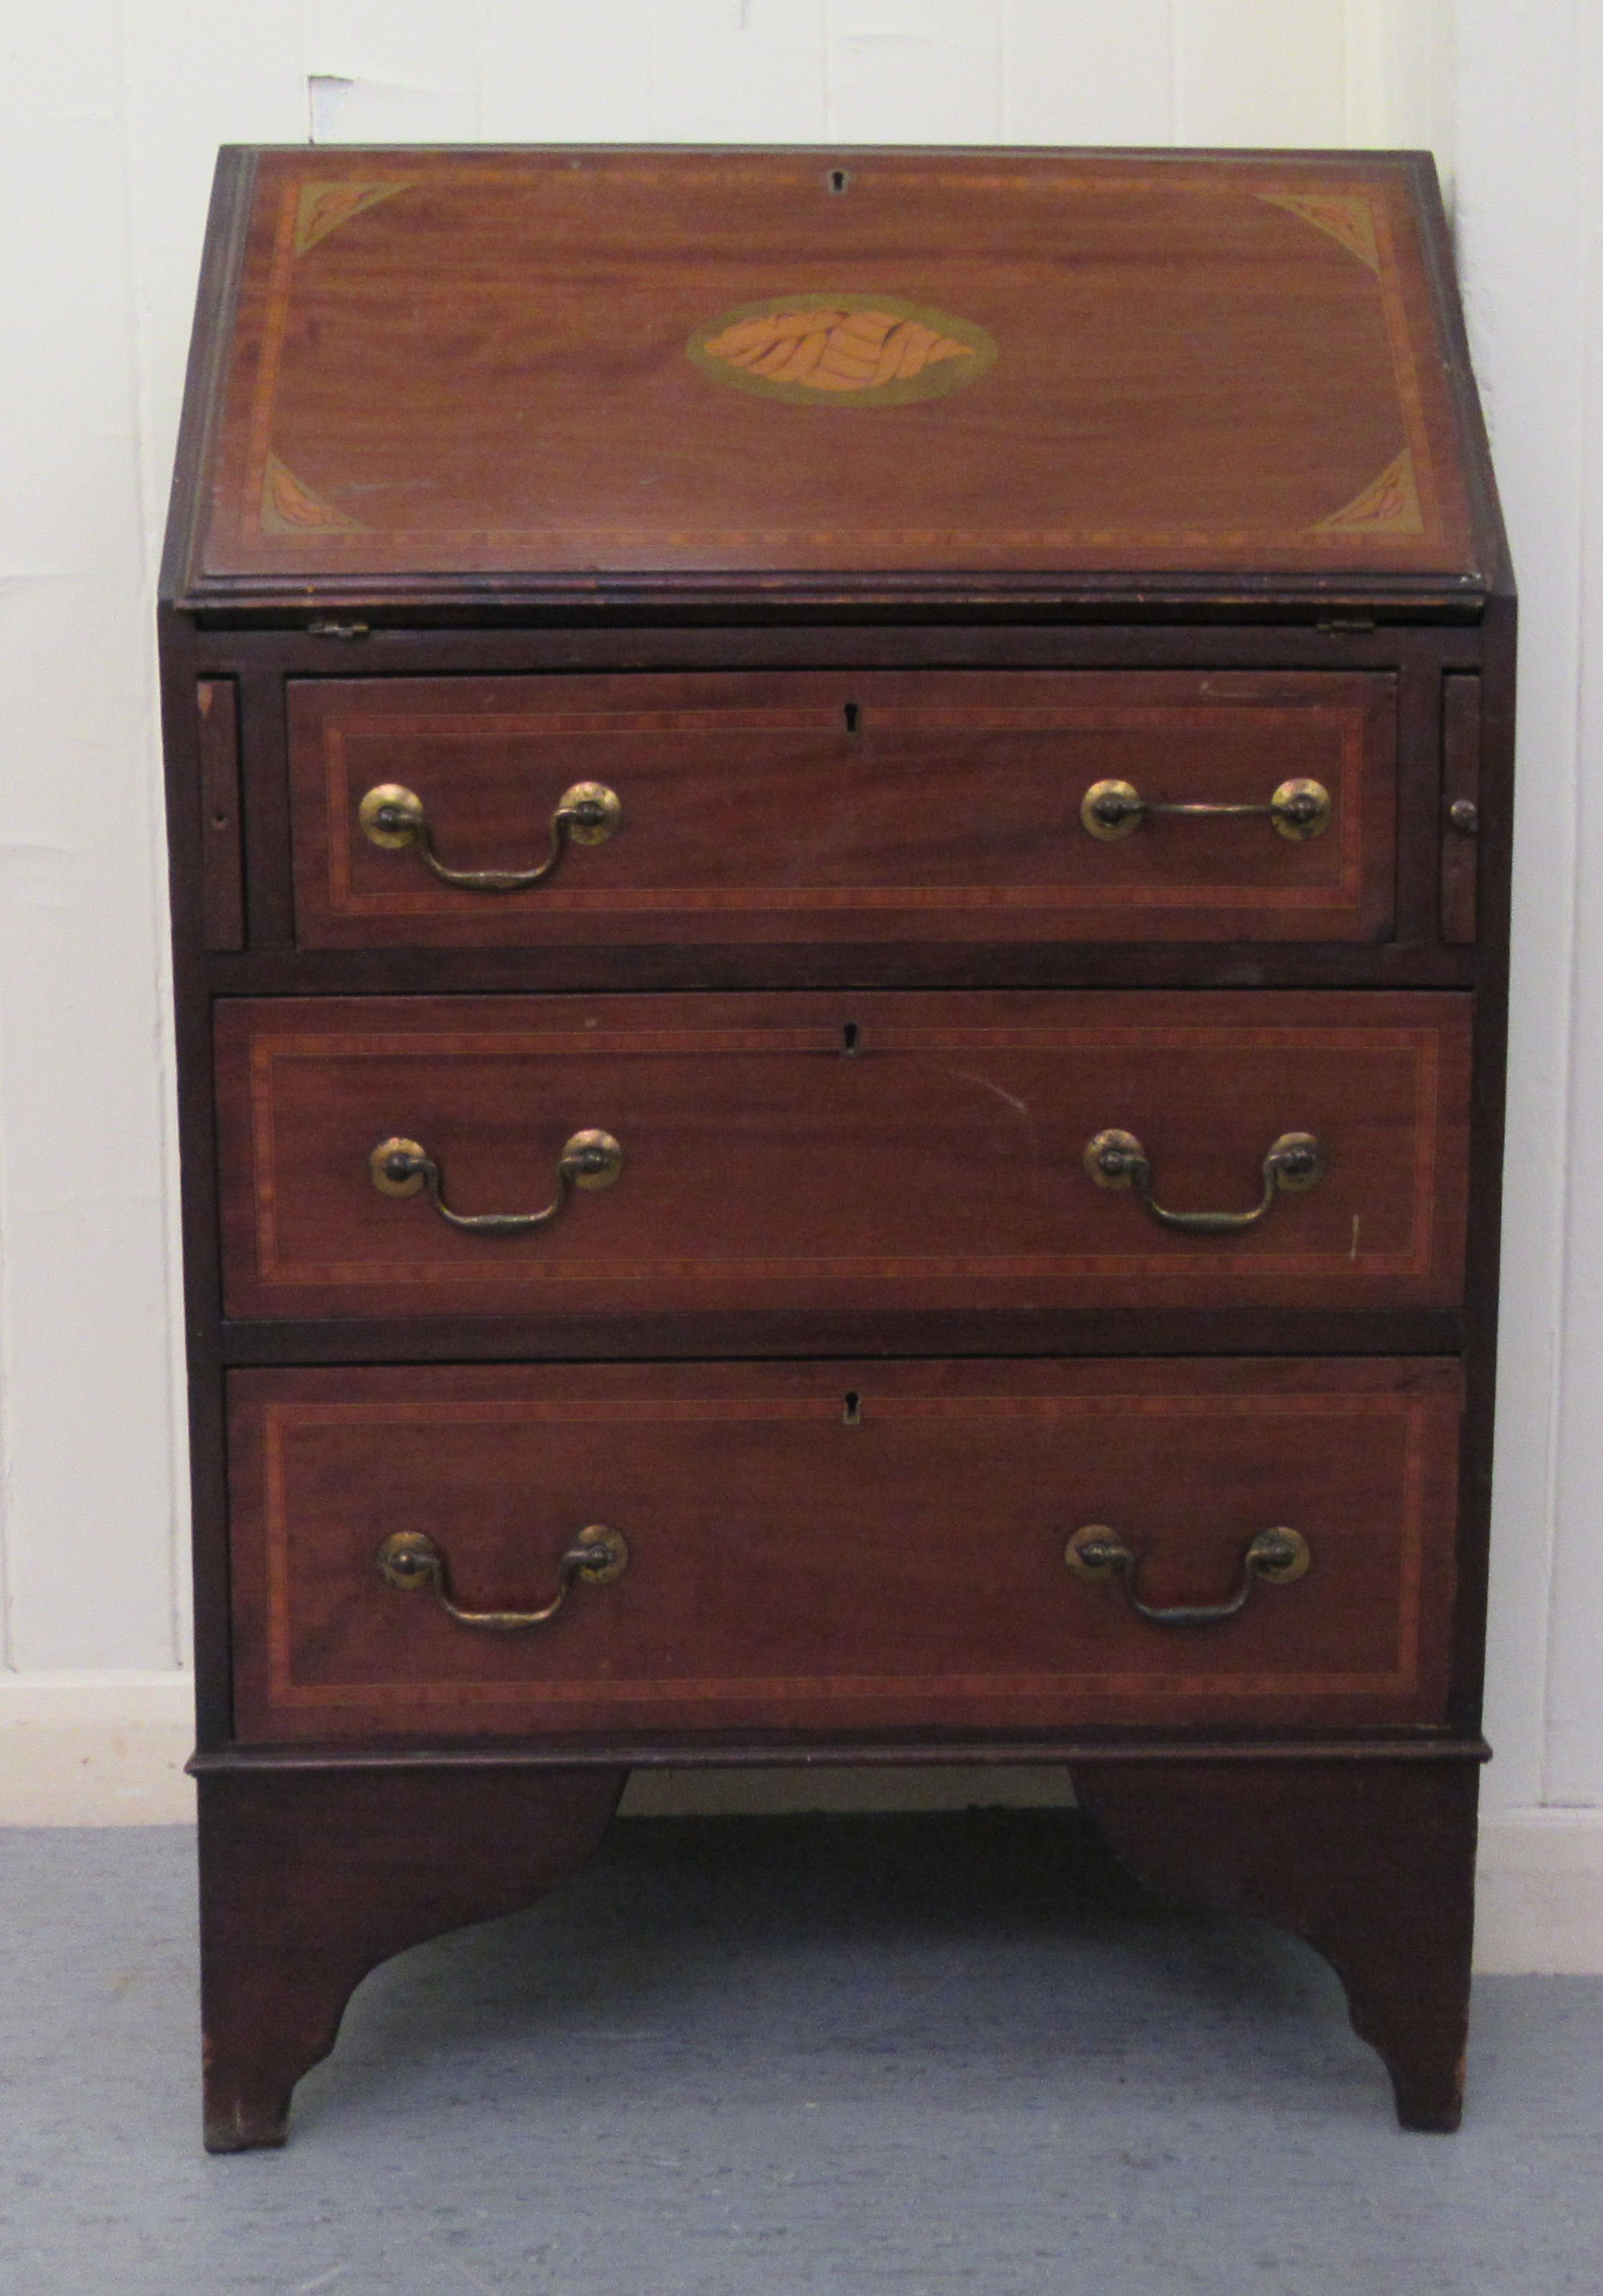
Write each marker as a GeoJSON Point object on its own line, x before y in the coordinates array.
{"type": "Point", "coordinates": [839, 843]}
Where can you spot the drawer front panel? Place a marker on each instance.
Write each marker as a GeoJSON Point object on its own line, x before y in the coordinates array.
{"type": "Point", "coordinates": [828, 808]}
{"type": "Point", "coordinates": [888, 1152]}
{"type": "Point", "coordinates": [822, 1546]}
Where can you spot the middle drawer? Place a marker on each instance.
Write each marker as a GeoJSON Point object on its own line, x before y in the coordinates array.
{"type": "Point", "coordinates": [1057, 1149]}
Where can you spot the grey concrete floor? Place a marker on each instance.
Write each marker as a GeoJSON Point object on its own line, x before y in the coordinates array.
{"type": "Point", "coordinates": [748, 2057]}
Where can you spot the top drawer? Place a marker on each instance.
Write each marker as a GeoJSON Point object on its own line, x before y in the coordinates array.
{"type": "Point", "coordinates": [1107, 805]}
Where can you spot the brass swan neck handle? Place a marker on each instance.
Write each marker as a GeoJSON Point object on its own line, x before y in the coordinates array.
{"type": "Point", "coordinates": [410, 1561]}
{"type": "Point", "coordinates": [1097, 1552]}
{"type": "Point", "coordinates": [1299, 809]}
{"type": "Point", "coordinates": [1117, 1160]}
{"type": "Point", "coordinates": [402, 1167]}
{"type": "Point", "coordinates": [393, 816]}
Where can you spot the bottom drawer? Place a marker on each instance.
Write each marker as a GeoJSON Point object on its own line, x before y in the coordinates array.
{"type": "Point", "coordinates": [841, 1546]}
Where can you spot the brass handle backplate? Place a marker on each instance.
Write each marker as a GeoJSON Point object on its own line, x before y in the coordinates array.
{"type": "Point", "coordinates": [1096, 1554]}
{"type": "Point", "coordinates": [1117, 1160]}
{"type": "Point", "coordinates": [410, 1561]}
{"type": "Point", "coordinates": [393, 816]}
{"type": "Point", "coordinates": [1299, 809]}
{"type": "Point", "coordinates": [401, 1167]}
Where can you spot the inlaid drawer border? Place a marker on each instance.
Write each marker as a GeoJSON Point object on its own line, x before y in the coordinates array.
{"type": "Point", "coordinates": [1424, 1044]}
{"type": "Point", "coordinates": [1343, 893]}
{"type": "Point", "coordinates": [278, 1418]}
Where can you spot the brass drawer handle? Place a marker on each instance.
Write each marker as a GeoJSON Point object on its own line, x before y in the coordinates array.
{"type": "Point", "coordinates": [1299, 809]}
{"type": "Point", "coordinates": [392, 816]}
{"type": "Point", "coordinates": [1278, 1557]}
{"type": "Point", "coordinates": [409, 1560]}
{"type": "Point", "coordinates": [401, 1167]}
{"type": "Point", "coordinates": [1117, 1160]}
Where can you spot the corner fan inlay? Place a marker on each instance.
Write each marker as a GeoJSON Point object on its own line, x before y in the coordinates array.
{"type": "Point", "coordinates": [290, 507]}
{"type": "Point", "coordinates": [1389, 504]}
{"type": "Point", "coordinates": [323, 208]}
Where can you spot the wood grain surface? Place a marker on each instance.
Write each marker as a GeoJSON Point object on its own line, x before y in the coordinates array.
{"type": "Point", "coordinates": [222, 824]}
{"type": "Point", "coordinates": [308, 1881]}
{"type": "Point", "coordinates": [876, 1152]}
{"type": "Point", "coordinates": [875, 807]}
{"type": "Point", "coordinates": [1461, 787]}
{"type": "Point", "coordinates": [1246, 363]}
{"type": "Point", "coordinates": [1372, 1862]}
{"type": "Point", "coordinates": [849, 1546]}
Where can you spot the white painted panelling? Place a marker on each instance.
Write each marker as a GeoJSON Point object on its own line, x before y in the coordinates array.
{"type": "Point", "coordinates": [1079, 71]}
{"type": "Point", "coordinates": [1574, 1772]}
{"type": "Point", "coordinates": [1400, 76]}
{"type": "Point", "coordinates": [196, 75]}
{"type": "Point", "coordinates": [410, 71]}
{"type": "Point", "coordinates": [1520, 247]}
{"type": "Point", "coordinates": [557, 73]}
{"type": "Point", "coordinates": [85, 1403]}
{"type": "Point", "coordinates": [75, 1699]}
{"type": "Point", "coordinates": [915, 71]}
{"type": "Point", "coordinates": [1248, 73]}
{"type": "Point", "coordinates": [739, 71]}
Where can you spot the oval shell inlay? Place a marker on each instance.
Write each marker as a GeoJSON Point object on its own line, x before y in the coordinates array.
{"type": "Point", "coordinates": [842, 350]}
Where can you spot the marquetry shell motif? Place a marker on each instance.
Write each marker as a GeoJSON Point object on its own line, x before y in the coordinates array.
{"type": "Point", "coordinates": [843, 350]}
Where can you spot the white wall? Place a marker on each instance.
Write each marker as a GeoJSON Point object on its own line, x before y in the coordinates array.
{"type": "Point", "coordinates": [110, 113]}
